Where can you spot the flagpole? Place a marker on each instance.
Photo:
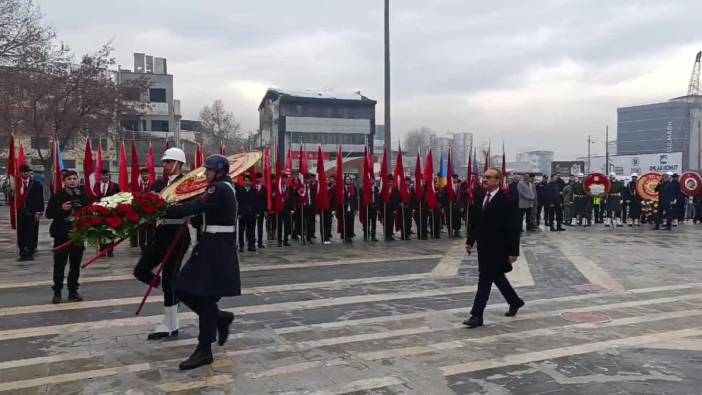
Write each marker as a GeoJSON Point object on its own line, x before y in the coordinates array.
{"type": "Point", "coordinates": [402, 224]}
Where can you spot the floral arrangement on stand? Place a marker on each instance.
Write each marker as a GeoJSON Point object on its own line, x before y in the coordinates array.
{"type": "Point", "coordinates": [115, 218]}
{"type": "Point", "coordinates": [649, 209]}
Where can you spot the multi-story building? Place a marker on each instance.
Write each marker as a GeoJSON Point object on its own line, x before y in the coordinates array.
{"type": "Point", "coordinates": [290, 119]}
{"type": "Point", "coordinates": [663, 128]}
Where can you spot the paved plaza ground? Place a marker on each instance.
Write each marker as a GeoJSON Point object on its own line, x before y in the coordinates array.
{"type": "Point", "coordinates": [608, 312]}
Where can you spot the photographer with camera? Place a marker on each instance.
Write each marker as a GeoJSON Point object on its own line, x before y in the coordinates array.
{"type": "Point", "coordinates": [61, 208]}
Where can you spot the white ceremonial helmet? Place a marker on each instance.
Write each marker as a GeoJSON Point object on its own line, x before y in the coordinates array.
{"type": "Point", "coordinates": [668, 173]}
{"type": "Point", "coordinates": [175, 154]}
{"type": "Point", "coordinates": [612, 174]}
{"type": "Point", "coordinates": [634, 174]}
{"type": "Point", "coordinates": [581, 175]}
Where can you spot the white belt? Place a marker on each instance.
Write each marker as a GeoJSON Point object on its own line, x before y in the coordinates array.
{"type": "Point", "coordinates": [170, 221]}
{"type": "Point", "coordinates": [219, 229]}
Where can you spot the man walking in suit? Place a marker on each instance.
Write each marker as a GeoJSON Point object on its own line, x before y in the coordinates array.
{"type": "Point", "coordinates": [494, 225]}
{"type": "Point", "coordinates": [246, 199]}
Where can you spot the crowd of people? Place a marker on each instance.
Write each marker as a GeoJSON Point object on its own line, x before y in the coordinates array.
{"type": "Point", "coordinates": [562, 203]}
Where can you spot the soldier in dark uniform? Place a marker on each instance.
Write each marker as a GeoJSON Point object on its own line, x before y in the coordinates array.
{"type": "Point", "coordinates": [349, 209]}
{"type": "Point", "coordinates": [435, 215]}
{"type": "Point", "coordinates": [387, 210]}
{"type": "Point", "coordinates": [554, 211]}
{"type": "Point", "coordinates": [665, 202]}
{"type": "Point", "coordinates": [246, 199]}
{"type": "Point", "coordinates": [30, 196]}
{"type": "Point", "coordinates": [329, 213]}
{"type": "Point", "coordinates": [145, 234]}
{"type": "Point", "coordinates": [680, 200]}
{"type": "Point", "coordinates": [582, 202]}
{"type": "Point", "coordinates": [455, 211]}
{"type": "Point", "coordinates": [370, 213]}
{"type": "Point", "coordinates": [212, 271]}
{"type": "Point", "coordinates": [614, 201]}
{"type": "Point", "coordinates": [260, 208]}
{"type": "Point", "coordinates": [285, 217]}
{"type": "Point", "coordinates": [309, 207]}
{"type": "Point", "coordinates": [61, 208]}
{"type": "Point", "coordinates": [164, 234]}
{"type": "Point", "coordinates": [633, 201]}
{"type": "Point", "coordinates": [407, 209]}
{"type": "Point", "coordinates": [541, 200]}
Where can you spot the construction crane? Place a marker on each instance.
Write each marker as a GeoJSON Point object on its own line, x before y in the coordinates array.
{"type": "Point", "coordinates": [694, 87]}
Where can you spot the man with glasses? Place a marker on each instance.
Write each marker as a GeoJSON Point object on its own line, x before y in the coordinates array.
{"type": "Point", "coordinates": [495, 227]}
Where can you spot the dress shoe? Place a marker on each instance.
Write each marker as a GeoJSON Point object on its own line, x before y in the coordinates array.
{"type": "Point", "coordinates": [223, 327]}
{"type": "Point", "coordinates": [473, 322]}
{"type": "Point", "coordinates": [252, 249]}
{"type": "Point", "coordinates": [162, 335]}
{"type": "Point", "coordinates": [57, 298]}
{"type": "Point", "coordinates": [280, 244]}
{"type": "Point", "coordinates": [201, 357]}
{"type": "Point", "coordinates": [552, 229]}
{"type": "Point", "coordinates": [374, 239]}
{"type": "Point", "coordinates": [559, 229]}
{"type": "Point", "coordinates": [74, 297]}
{"type": "Point", "coordinates": [513, 309]}
{"type": "Point", "coordinates": [286, 244]}
{"type": "Point", "coordinates": [261, 246]}
{"type": "Point", "coordinates": [390, 238]}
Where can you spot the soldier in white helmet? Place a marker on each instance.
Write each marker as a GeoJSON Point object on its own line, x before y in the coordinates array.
{"type": "Point", "coordinates": [615, 201]}
{"type": "Point", "coordinates": [166, 229]}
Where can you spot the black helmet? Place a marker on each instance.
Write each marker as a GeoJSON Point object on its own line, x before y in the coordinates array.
{"type": "Point", "coordinates": [218, 163]}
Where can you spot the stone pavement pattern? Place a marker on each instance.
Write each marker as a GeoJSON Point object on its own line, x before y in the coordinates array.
{"type": "Point", "coordinates": [608, 312]}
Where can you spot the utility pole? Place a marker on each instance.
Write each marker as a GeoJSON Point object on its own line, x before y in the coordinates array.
{"type": "Point", "coordinates": [607, 150]}
{"type": "Point", "coordinates": [388, 135]}
{"type": "Point", "coordinates": [589, 143]}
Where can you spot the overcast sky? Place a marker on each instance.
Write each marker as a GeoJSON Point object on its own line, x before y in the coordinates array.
{"type": "Point", "coordinates": [538, 75]}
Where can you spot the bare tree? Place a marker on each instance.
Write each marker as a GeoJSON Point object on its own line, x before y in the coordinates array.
{"type": "Point", "coordinates": [417, 139]}
{"type": "Point", "coordinates": [24, 38]}
{"type": "Point", "coordinates": [60, 97]}
{"type": "Point", "coordinates": [220, 127]}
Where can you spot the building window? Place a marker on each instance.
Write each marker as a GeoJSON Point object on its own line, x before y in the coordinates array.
{"type": "Point", "coordinates": [131, 93]}
{"type": "Point", "coordinates": [159, 126]}
{"type": "Point", "coordinates": [69, 164]}
{"type": "Point", "coordinates": [130, 124]}
{"type": "Point", "coordinates": [40, 142]}
{"type": "Point", "coordinates": [328, 138]}
{"type": "Point", "coordinates": [157, 95]}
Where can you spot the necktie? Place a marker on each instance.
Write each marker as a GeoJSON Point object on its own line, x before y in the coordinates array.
{"type": "Point", "coordinates": [487, 200]}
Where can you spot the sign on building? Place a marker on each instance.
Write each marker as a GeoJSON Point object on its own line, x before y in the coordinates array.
{"type": "Point", "coordinates": [624, 165]}
{"type": "Point", "coordinates": [567, 168]}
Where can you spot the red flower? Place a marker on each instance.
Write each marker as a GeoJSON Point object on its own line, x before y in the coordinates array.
{"type": "Point", "coordinates": [114, 222]}
{"type": "Point", "coordinates": [96, 221]}
{"type": "Point", "coordinates": [161, 203]}
{"type": "Point", "coordinates": [149, 210]}
{"type": "Point", "coordinates": [133, 217]}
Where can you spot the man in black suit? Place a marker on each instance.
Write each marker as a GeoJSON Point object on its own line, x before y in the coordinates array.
{"type": "Point", "coordinates": [494, 225]}
{"type": "Point", "coordinates": [30, 206]}
{"type": "Point", "coordinates": [261, 207]}
{"type": "Point", "coordinates": [309, 207]}
{"type": "Point", "coordinates": [246, 199]}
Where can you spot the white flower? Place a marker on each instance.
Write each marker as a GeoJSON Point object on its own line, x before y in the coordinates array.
{"type": "Point", "coordinates": [115, 200]}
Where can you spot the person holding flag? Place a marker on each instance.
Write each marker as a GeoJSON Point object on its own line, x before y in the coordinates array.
{"type": "Point", "coordinates": [30, 207]}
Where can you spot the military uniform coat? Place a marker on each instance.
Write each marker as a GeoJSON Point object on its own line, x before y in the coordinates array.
{"type": "Point", "coordinates": [615, 196]}
{"type": "Point", "coordinates": [213, 266]}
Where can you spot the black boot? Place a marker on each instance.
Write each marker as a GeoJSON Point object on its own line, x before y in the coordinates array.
{"type": "Point", "coordinates": [201, 357]}
{"type": "Point", "coordinates": [473, 322]}
{"type": "Point", "coordinates": [74, 296]}
{"type": "Point", "coordinates": [57, 297]}
{"type": "Point", "coordinates": [223, 323]}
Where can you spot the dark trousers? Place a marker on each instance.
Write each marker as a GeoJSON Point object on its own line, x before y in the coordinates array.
{"type": "Point", "coordinates": [208, 314]}
{"type": "Point", "coordinates": [526, 212]}
{"type": "Point", "coordinates": [486, 277]}
{"type": "Point", "coordinates": [271, 226]}
{"type": "Point", "coordinates": [555, 212]}
{"type": "Point", "coordinates": [539, 209]}
{"type": "Point", "coordinates": [152, 258]}
{"type": "Point", "coordinates": [146, 236]}
{"type": "Point", "coordinates": [310, 222]}
{"type": "Point", "coordinates": [284, 222]}
{"type": "Point", "coordinates": [72, 255]}
{"type": "Point", "coordinates": [599, 213]}
{"type": "Point", "coordinates": [388, 224]}
{"type": "Point", "coordinates": [259, 229]}
{"type": "Point", "coordinates": [247, 225]}
{"type": "Point", "coordinates": [369, 227]}
{"type": "Point", "coordinates": [407, 222]}
{"type": "Point", "coordinates": [435, 218]}
{"type": "Point", "coordinates": [453, 218]}
{"type": "Point", "coordinates": [297, 223]}
{"type": "Point", "coordinates": [327, 230]}
{"type": "Point", "coordinates": [349, 220]}
{"type": "Point", "coordinates": [27, 234]}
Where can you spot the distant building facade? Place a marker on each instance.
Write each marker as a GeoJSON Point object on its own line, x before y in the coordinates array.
{"type": "Point", "coordinates": [539, 161]}
{"type": "Point", "coordinates": [659, 128]}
